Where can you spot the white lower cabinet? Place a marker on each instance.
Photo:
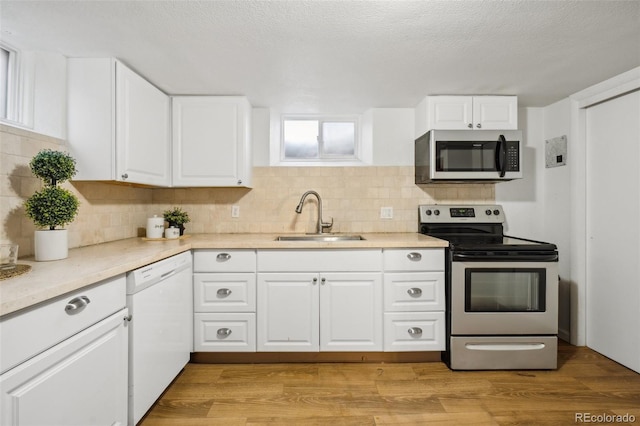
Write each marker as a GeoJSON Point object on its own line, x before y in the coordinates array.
{"type": "Point", "coordinates": [307, 312]}
{"type": "Point", "coordinates": [224, 296]}
{"type": "Point", "coordinates": [414, 300]}
{"type": "Point", "coordinates": [80, 380]}
{"type": "Point", "coordinates": [319, 300]}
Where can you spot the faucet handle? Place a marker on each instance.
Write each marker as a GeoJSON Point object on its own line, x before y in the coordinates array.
{"type": "Point", "coordinates": [327, 224]}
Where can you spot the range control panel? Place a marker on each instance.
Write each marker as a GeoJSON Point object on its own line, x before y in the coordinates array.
{"type": "Point", "coordinates": [443, 213]}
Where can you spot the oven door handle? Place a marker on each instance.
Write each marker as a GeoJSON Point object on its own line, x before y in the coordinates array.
{"type": "Point", "coordinates": [506, 258]}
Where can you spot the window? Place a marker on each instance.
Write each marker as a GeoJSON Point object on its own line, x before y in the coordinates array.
{"type": "Point", "coordinates": [319, 139]}
{"type": "Point", "coordinates": [8, 83]}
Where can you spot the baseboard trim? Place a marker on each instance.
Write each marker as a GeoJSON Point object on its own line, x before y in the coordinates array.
{"type": "Point", "coordinates": [291, 357]}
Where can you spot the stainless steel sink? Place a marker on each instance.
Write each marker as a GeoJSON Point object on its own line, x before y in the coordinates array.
{"type": "Point", "coordinates": [320, 237]}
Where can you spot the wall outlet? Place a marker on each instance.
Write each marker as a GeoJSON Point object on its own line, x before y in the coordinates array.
{"type": "Point", "coordinates": [235, 211]}
{"type": "Point", "coordinates": [386, 212]}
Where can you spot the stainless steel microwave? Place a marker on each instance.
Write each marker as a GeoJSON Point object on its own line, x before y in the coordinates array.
{"type": "Point", "coordinates": [468, 156]}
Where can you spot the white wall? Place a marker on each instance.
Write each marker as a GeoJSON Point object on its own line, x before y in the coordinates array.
{"type": "Point", "coordinates": [393, 136]}
{"type": "Point", "coordinates": [539, 206]}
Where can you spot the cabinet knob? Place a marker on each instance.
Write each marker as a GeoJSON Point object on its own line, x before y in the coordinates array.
{"type": "Point", "coordinates": [223, 292]}
{"type": "Point", "coordinates": [223, 257]}
{"type": "Point", "coordinates": [239, 181]}
{"type": "Point", "coordinates": [414, 257]}
{"type": "Point", "coordinates": [323, 281]}
{"type": "Point", "coordinates": [470, 126]}
{"type": "Point", "coordinates": [315, 281]}
{"type": "Point", "coordinates": [76, 304]}
{"type": "Point", "coordinates": [479, 126]}
{"type": "Point", "coordinates": [125, 176]}
{"type": "Point", "coordinates": [415, 292]}
{"type": "Point", "coordinates": [415, 331]}
{"type": "Point", "coordinates": [224, 332]}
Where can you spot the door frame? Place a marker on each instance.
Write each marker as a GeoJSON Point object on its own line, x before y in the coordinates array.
{"type": "Point", "coordinates": [608, 89]}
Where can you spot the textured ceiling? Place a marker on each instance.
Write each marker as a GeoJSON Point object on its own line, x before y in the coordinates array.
{"type": "Point", "coordinates": [343, 56]}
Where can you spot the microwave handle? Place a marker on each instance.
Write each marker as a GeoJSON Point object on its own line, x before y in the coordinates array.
{"type": "Point", "coordinates": [501, 155]}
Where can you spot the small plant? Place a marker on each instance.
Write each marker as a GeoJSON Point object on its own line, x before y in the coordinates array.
{"type": "Point", "coordinates": [176, 216]}
{"type": "Point", "coordinates": [52, 206]}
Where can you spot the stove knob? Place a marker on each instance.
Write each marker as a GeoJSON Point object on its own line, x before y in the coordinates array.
{"type": "Point", "coordinates": [487, 212]}
{"type": "Point", "coordinates": [428, 212]}
{"type": "Point", "coordinates": [496, 212]}
{"type": "Point", "coordinates": [436, 212]}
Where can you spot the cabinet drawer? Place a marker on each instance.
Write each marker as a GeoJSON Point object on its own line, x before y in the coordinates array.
{"type": "Point", "coordinates": [414, 260]}
{"type": "Point", "coordinates": [414, 331]}
{"type": "Point", "coordinates": [232, 292]}
{"type": "Point", "coordinates": [414, 291]}
{"type": "Point", "coordinates": [319, 260]}
{"type": "Point", "coordinates": [224, 261]}
{"type": "Point", "coordinates": [30, 332]}
{"type": "Point", "coordinates": [224, 332]}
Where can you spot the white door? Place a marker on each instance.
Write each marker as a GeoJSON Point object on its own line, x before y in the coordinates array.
{"type": "Point", "coordinates": [495, 112]}
{"type": "Point", "coordinates": [209, 133]}
{"type": "Point", "coordinates": [351, 312]}
{"type": "Point", "coordinates": [288, 317]}
{"type": "Point", "coordinates": [450, 112]}
{"type": "Point", "coordinates": [81, 381]}
{"type": "Point", "coordinates": [142, 130]}
{"type": "Point", "coordinates": [613, 229]}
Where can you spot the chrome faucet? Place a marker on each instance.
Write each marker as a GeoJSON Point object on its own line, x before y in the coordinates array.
{"type": "Point", "coordinates": [320, 226]}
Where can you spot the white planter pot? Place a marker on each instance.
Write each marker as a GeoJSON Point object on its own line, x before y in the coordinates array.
{"type": "Point", "coordinates": [51, 245]}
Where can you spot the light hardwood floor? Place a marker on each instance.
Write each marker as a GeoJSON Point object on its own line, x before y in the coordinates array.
{"type": "Point", "coordinates": [585, 384]}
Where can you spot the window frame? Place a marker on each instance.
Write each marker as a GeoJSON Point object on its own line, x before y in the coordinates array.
{"type": "Point", "coordinates": [12, 77]}
{"type": "Point", "coordinates": [328, 160]}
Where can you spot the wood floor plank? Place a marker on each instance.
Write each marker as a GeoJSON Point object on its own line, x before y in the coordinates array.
{"type": "Point", "coordinates": [397, 393]}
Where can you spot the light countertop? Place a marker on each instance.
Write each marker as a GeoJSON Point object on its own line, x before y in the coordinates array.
{"type": "Point", "coordinates": [91, 264]}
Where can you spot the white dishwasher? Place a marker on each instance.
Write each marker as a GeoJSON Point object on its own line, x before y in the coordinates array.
{"type": "Point", "coordinates": [160, 302]}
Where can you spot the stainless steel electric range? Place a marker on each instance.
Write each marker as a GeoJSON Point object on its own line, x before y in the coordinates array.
{"type": "Point", "coordinates": [501, 291]}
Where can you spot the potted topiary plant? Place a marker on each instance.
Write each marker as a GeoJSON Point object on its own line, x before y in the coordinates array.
{"type": "Point", "coordinates": [176, 217]}
{"type": "Point", "coordinates": [52, 206]}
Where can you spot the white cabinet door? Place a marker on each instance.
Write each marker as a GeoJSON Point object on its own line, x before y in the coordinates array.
{"type": "Point", "coordinates": [81, 381]}
{"type": "Point", "coordinates": [472, 112]}
{"type": "Point", "coordinates": [143, 152]}
{"type": "Point", "coordinates": [288, 314]}
{"type": "Point", "coordinates": [495, 112]}
{"type": "Point", "coordinates": [118, 123]}
{"type": "Point", "coordinates": [211, 141]}
{"type": "Point", "coordinates": [450, 112]}
{"type": "Point", "coordinates": [351, 312]}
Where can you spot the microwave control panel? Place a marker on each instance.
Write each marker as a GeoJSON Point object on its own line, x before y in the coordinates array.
{"type": "Point", "coordinates": [513, 157]}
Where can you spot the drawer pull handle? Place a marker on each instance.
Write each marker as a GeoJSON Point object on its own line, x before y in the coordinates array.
{"type": "Point", "coordinates": [223, 292]}
{"type": "Point", "coordinates": [414, 257]}
{"type": "Point", "coordinates": [224, 332]}
{"type": "Point", "coordinates": [415, 292]}
{"type": "Point", "coordinates": [223, 257]}
{"type": "Point", "coordinates": [415, 331]}
{"type": "Point", "coordinates": [76, 305]}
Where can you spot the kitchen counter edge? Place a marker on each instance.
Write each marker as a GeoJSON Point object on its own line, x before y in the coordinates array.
{"type": "Point", "coordinates": [89, 265]}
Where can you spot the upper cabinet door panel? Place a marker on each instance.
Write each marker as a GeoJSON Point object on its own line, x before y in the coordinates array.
{"type": "Point", "coordinates": [211, 141]}
{"type": "Point", "coordinates": [450, 112]}
{"type": "Point", "coordinates": [142, 123]}
{"type": "Point", "coordinates": [118, 123]}
{"type": "Point", "coordinates": [495, 112]}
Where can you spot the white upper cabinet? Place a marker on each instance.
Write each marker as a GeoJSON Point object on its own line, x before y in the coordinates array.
{"type": "Point", "coordinates": [118, 124]}
{"type": "Point", "coordinates": [472, 112]}
{"type": "Point", "coordinates": [211, 141]}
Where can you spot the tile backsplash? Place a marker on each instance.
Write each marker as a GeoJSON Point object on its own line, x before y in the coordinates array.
{"type": "Point", "coordinates": [353, 196]}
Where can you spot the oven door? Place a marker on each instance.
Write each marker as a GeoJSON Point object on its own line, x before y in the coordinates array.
{"type": "Point", "coordinates": [504, 298]}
